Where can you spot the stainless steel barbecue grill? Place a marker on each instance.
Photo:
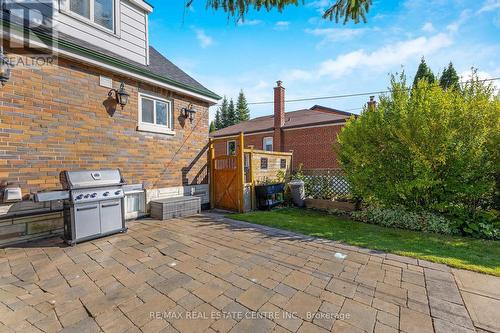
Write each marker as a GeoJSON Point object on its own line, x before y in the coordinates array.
{"type": "Point", "coordinates": [93, 204]}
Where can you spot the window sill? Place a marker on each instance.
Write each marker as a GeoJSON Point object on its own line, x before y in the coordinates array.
{"type": "Point", "coordinates": [155, 129]}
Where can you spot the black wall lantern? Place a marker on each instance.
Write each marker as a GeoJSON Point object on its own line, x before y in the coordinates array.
{"type": "Point", "coordinates": [121, 95]}
{"type": "Point", "coordinates": [5, 68]}
{"type": "Point", "coordinates": [189, 112]}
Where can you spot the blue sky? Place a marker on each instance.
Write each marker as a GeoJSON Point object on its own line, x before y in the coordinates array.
{"type": "Point", "coordinates": [315, 57]}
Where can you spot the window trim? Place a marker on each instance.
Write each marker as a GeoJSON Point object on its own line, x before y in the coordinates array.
{"type": "Point", "coordinates": [154, 128]}
{"type": "Point", "coordinates": [264, 143]}
{"type": "Point", "coordinates": [115, 31]}
{"type": "Point", "coordinates": [283, 161]}
{"type": "Point", "coordinates": [227, 147]}
{"type": "Point", "coordinates": [262, 159]}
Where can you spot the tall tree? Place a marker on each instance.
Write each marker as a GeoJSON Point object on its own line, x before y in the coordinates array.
{"type": "Point", "coordinates": [218, 124]}
{"type": "Point", "coordinates": [344, 10]}
{"type": "Point", "coordinates": [212, 127]}
{"type": "Point", "coordinates": [232, 117]}
{"type": "Point", "coordinates": [242, 109]}
{"type": "Point", "coordinates": [224, 113]}
{"type": "Point", "coordinates": [449, 79]}
{"type": "Point", "coordinates": [423, 73]}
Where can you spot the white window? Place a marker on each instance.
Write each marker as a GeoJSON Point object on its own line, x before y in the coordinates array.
{"type": "Point", "coordinates": [267, 143]}
{"type": "Point", "coordinates": [155, 115]}
{"type": "Point", "coordinates": [100, 12]}
{"type": "Point", "coordinates": [231, 147]}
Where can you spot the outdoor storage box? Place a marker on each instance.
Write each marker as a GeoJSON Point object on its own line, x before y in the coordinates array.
{"type": "Point", "coordinates": [164, 209]}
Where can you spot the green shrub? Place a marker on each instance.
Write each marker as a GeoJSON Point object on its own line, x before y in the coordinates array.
{"type": "Point", "coordinates": [428, 149]}
{"type": "Point", "coordinates": [400, 218]}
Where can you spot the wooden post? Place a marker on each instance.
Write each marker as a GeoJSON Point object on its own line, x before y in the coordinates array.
{"type": "Point", "coordinates": [211, 154]}
{"type": "Point", "coordinates": [241, 176]}
{"type": "Point", "coordinates": [252, 179]}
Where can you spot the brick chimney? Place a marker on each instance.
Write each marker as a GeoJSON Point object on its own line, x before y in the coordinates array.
{"type": "Point", "coordinates": [372, 104]}
{"type": "Point", "coordinates": [279, 116]}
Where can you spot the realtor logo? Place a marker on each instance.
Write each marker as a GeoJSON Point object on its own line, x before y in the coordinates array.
{"type": "Point", "coordinates": [28, 25]}
{"type": "Point", "coordinates": [28, 34]}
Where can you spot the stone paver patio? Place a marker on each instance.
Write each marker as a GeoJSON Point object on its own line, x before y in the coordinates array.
{"type": "Point", "coordinates": [211, 274]}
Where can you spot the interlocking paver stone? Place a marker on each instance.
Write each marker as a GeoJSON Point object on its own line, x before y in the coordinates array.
{"type": "Point", "coordinates": [415, 322]}
{"type": "Point", "coordinates": [254, 297]}
{"type": "Point", "coordinates": [298, 280]}
{"type": "Point", "coordinates": [135, 282]}
{"type": "Point", "coordinates": [360, 315]}
{"type": "Point", "coordinates": [303, 305]}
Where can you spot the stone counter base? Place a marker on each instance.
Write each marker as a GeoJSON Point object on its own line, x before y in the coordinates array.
{"type": "Point", "coordinates": [23, 229]}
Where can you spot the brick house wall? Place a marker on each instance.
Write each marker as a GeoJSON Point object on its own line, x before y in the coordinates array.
{"type": "Point", "coordinates": [312, 146]}
{"type": "Point", "coordinates": [255, 140]}
{"type": "Point", "coordinates": [59, 118]}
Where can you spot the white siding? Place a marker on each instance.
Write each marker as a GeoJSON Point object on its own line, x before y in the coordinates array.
{"type": "Point", "coordinates": [129, 39]}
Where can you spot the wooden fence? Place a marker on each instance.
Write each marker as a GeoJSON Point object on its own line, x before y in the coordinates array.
{"type": "Point", "coordinates": [233, 177]}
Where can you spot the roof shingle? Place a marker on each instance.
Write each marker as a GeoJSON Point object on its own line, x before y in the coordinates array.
{"type": "Point", "coordinates": [317, 115]}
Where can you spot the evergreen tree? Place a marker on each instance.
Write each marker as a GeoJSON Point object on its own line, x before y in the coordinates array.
{"type": "Point", "coordinates": [423, 73]}
{"type": "Point", "coordinates": [232, 117]}
{"type": "Point", "coordinates": [449, 79]}
{"type": "Point", "coordinates": [217, 123]}
{"type": "Point", "coordinates": [242, 109]}
{"type": "Point", "coordinates": [212, 127]}
{"type": "Point", "coordinates": [340, 10]}
{"type": "Point", "coordinates": [224, 114]}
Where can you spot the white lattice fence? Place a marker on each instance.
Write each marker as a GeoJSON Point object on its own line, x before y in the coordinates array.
{"type": "Point", "coordinates": [325, 183]}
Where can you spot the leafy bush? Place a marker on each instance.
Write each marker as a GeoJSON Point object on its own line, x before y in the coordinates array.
{"type": "Point", "coordinates": [428, 149]}
{"type": "Point", "coordinates": [400, 218]}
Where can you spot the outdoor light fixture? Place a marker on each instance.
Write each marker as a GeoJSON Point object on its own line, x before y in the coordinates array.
{"type": "Point", "coordinates": [121, 95]}
{"type": "Point", "coordinates": [5, 68]}
{"type": "Point", "coordinates": [189, 112]}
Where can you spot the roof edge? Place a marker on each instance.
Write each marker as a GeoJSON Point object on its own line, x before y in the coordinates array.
{"type": "Point", "coordinates": [345, 113]}
{"type": "Point", "coordinates": [85, 52]}
{"type": "Point", "coordinates": [332, 122]}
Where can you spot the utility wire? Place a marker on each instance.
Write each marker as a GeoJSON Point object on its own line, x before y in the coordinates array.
{"type": "Point", "coordinates": [350, 95]}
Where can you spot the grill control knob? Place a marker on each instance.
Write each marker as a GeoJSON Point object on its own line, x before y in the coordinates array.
{"type": "Point", "coordinates": [118, 192]}
{"type": "Point", "coordinates": [79, 197]}
{"type": "Point", "coordinates": [106, 194]}
{"type": "Point", "coordinates": [93, 195]}
{"type": "Point", "coordinates": [87, 196]}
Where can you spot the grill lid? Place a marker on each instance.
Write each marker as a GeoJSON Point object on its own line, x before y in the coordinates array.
{"type": "Point", "coordinates": [96, 178]}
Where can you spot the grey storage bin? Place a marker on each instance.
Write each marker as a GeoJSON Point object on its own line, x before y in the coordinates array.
{"type": "Point", "coordinates": [169, 208]}
{"type": "Point", "coordinates": [298, 192]}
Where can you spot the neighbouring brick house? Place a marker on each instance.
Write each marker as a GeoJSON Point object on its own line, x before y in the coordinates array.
{"type": "Point", "coordinates": [56, 117]}
{"type": "Point", "coordinates": [309, 133]}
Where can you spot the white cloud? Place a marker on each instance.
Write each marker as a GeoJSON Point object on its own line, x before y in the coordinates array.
{"type": "Point", "coordinates": [336, 34]}
{"type": "Point", "coordinates": [384, 58]}
{"type": "Point", "coordinates": [281, 25]}
{"type": "Point", "coordinates": [428, 27]}
{"type": "Point", "coordinates": [204, 39]}
{"type": "Point", "coordinates": [320, 5]}
{"type": "Point", "coordinates": [454, 26]}
{"type": "Point", "coordinates": [250, 22]}
{"type": "Point", "coordinates": [489, 5]}
{"type": "Point", "coordinates": [467, 75]}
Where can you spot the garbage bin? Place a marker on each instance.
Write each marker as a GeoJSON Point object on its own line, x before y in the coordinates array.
{"type": "Point", "coordinates": [298, 193]}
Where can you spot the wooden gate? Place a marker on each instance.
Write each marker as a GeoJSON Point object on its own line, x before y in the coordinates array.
{"type": "Point", "coordinates": [227, 179]}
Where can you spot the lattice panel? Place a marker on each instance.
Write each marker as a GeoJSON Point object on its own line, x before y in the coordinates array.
{"type": "Point", "coordinates": [325, 183]}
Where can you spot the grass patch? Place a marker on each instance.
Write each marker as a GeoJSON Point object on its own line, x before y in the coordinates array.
{"type": "Point", "coordinates": [460, 252]}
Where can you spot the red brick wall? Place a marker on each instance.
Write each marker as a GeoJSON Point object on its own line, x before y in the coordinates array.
{"type": "Point", "coordinates": [255, 140]}
{"type": "Point", "coordinates": [313, 147]}
{"type": "Point", "coordinates": [54, 119]}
